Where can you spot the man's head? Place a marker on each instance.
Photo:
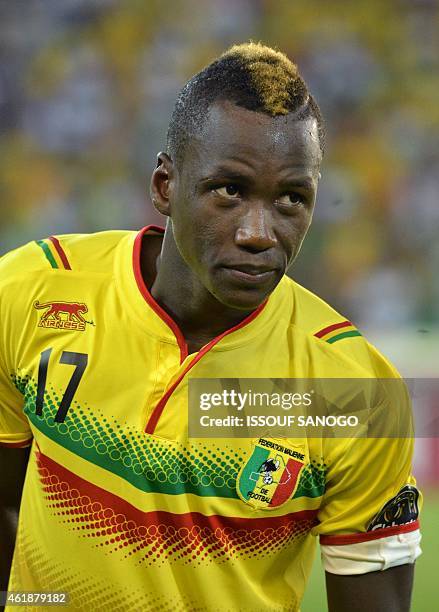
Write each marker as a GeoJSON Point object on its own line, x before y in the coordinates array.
{"type": "Point", "coordinates": [240, 177]}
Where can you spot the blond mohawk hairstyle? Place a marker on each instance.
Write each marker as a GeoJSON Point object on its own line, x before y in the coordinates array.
{"type": "Point", "coordinates": [250, 75]}
{"type": "Point", "coordinates": [272, 73]}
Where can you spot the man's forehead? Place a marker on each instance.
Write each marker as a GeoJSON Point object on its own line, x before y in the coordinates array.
{"type": "Point", "coordinates": [230, 131]}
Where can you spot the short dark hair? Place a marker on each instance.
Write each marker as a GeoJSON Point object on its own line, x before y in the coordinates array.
{"type": "Point", "coordinates": [250, 75]}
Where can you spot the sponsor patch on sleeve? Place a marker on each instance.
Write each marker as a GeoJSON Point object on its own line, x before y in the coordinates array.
{"type": "Point", "coordinates": [400, 510]}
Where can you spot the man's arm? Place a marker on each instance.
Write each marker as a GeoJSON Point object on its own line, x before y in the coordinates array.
{"type": "Point", "coordinates": [385, 591]}
{"type": "Point", "coordinates": [13, 463]}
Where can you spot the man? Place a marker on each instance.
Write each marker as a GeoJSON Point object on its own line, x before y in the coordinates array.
{"type": "Point", "coordinates": [100, 335]}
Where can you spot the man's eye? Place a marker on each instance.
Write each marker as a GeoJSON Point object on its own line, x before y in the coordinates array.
{"type": "Point", "coordinates": [291, 199]}
{"type": "Point", "coordinates": [228, 191]}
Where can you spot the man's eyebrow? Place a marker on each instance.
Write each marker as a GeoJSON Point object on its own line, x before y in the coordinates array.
{"type": "Point", "coordinates": [306, 182]}
{"type": "Point", "coordinates": [225, 172]}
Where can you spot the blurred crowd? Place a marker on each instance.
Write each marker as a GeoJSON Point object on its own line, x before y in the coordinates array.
{"type": "Point", "coordinates": [87, 88]}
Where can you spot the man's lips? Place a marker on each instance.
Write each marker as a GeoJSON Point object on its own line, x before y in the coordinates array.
{"type": "Point", "coordinates": [249, 268]}
{"type": "Point", "coordinates": [250, 273]}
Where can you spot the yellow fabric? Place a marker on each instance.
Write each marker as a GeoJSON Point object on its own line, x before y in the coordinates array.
{"type": "Point", "coordinates": [127, 520]}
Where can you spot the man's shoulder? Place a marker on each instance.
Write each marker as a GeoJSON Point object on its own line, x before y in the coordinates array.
{"type": "Point", "coordinates": [331, 334]}
{"type": "Point", "coordinates": [86, 253]}
{"type": "Point", "coordinates": [310, 314]}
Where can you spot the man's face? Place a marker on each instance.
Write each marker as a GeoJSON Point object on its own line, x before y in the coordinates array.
{"type": "Point", "coordinates": [243, 200]}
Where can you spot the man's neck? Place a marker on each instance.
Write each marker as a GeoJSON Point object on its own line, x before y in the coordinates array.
{"type": "Point", "coordinates": [197, 313]}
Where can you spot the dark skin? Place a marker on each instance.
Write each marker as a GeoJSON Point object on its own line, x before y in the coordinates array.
{"type": "Point", "coordinates": [388, 591]}
{"type": "Point", "coordinates": [13, 463]}
{"type": "Point", "coordinates": [244, 197]}
{"type": "Point", "coordinates": [238, 210]}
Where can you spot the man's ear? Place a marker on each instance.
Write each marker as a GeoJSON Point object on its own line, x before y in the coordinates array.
{"type": "Point", "coordinates": [162, 184]}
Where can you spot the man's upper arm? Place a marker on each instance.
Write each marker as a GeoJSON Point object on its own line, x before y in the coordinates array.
{"type": "Point", "coordinates": [15, 439]}
{"type": "Point", "coordinates": [13, 464]}
{"type": "Point", "coordinates": [368, 519]}
{"type": "Point", "coordinates": [369, 523]}
{"type": "Point", "coordinates": [388, 591]}
{"type": "Point", "coordinates": [15, 431]}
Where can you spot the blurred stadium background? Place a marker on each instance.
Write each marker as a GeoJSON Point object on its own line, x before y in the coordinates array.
{"type": "Point", "coordinates": [86, 91]}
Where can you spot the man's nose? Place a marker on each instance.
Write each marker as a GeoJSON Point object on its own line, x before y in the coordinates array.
{"type": "Point", "coordinates": [255, 232]}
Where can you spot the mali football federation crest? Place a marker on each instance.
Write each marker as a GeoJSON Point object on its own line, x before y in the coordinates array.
{"type": "Point", "coordinates": [271, 475]}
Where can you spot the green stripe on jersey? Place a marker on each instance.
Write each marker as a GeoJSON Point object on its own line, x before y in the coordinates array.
{"type": "Point", "coordinates": [50, 258]}
{"type": "Point", "coordinates": [144, 461]}
{"type": "Point", "coordinates": [346, 334]}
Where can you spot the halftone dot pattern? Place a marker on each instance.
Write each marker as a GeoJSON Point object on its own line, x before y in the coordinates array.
{"type": "Point", "coordinates": [312, 481]}
{"type": "Point", "coordinates": [149, 463]}
{"type": "Point", "coordinates": [21, 382]}
{"type": "Point", "coordinates": [162, 537]}
{"type": "Point", "coordinates": [86, 593]}
{"type": "Point", "coordinates": [128, 452]}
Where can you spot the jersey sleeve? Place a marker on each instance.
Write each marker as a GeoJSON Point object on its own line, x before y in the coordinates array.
{"type": "Point", "coordinates": [14, 426]}
{"type": "Point", "coordinates": [368, 520]}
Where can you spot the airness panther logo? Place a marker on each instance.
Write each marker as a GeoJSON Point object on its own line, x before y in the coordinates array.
{"type": "Point", "coordinates": [63, 315]}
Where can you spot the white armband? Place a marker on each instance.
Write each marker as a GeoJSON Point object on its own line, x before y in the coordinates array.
{"type": "Point", "coordinates": [369, 555]}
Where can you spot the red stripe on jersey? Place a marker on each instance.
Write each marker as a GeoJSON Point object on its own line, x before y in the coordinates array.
{"type": "Point", "coordinates": [331, 328]}
{"type": "Point", "coordinates": [17, 444]}
{"type": "Point", "coordinates": [62, 255]}
{"type": "Point", "coordinates": [356, 538]}
{"type": "Point", "coordinates": [283, 491]}
{"type": "Point", "coordinates": [53, 475]}
{"type": "Point", "coordinates": [147, 295]}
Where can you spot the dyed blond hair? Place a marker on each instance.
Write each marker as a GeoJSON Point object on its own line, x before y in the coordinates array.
{"type": "Point", "coordinates": [273, 75]}
{"type": "Point", "coordinates": [250, 75]}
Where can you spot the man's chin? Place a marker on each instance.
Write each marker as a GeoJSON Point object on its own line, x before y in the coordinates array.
{"type": "Point", "coordinates": [244, 300]}
{"type": "Point", "coordinates": [240, 294]}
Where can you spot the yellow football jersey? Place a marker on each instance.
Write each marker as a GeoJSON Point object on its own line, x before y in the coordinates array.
{"type": "Point", "coordinates": [120, 508]}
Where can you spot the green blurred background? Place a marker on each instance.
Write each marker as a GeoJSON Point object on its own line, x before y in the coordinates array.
{"type": "Point", "coordinates": [86, 91]}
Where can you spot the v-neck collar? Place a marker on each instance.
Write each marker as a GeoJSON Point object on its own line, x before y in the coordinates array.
{"type": "Point", "coordinates": [155, 320]}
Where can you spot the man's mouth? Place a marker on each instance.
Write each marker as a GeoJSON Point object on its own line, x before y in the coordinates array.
{"type": "Point", "coordinates": [248, 273]}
